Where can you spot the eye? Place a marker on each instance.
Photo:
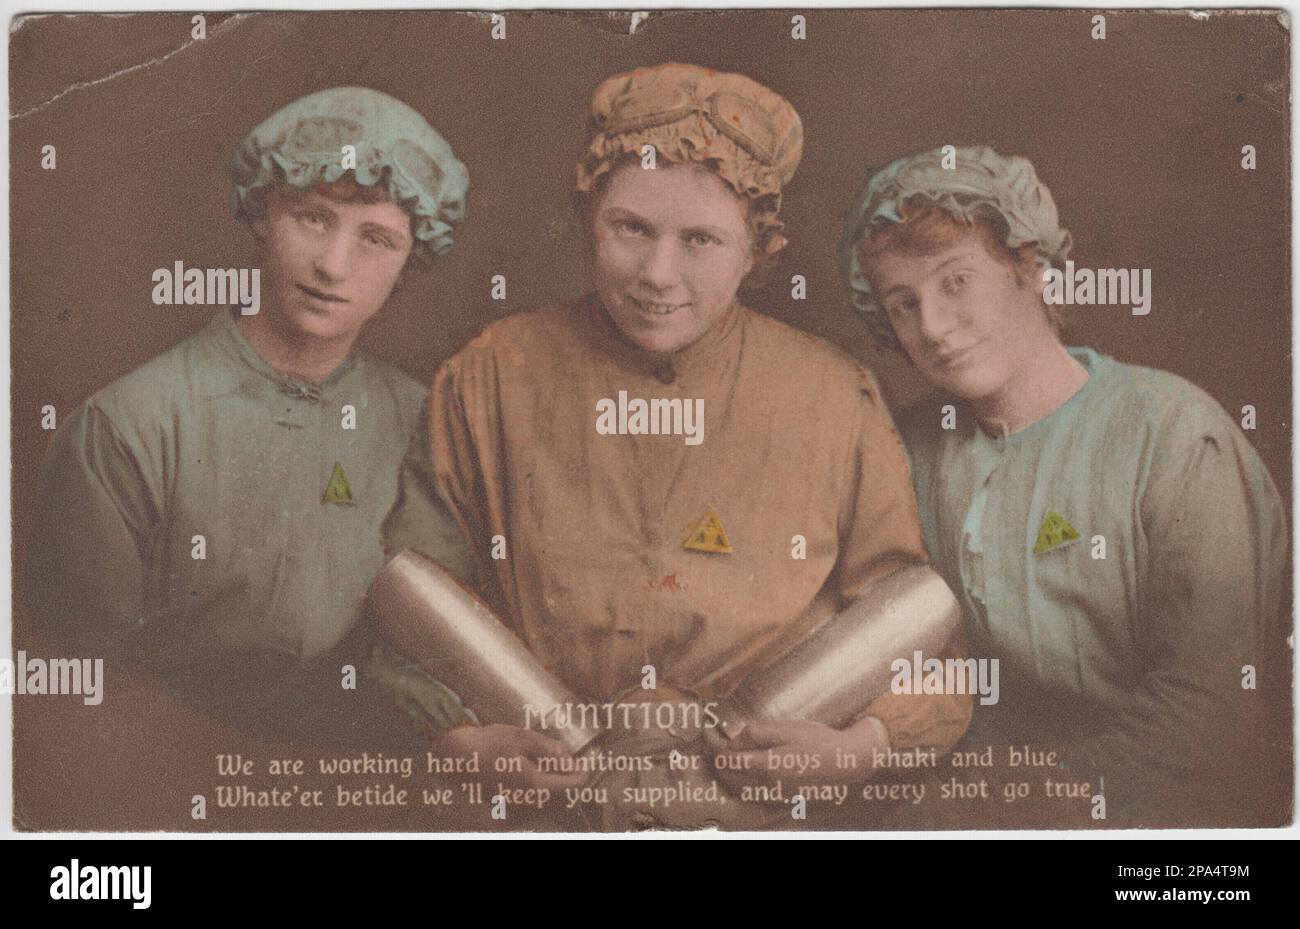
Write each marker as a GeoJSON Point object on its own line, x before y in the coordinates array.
{"type": "Point", "coordinates": [313, 218]}
{"type": "Point", "coordinates": [954, 283]}
{"type": "Point", "coordinates": [630, 227]}
{"type": "Point", "coordinates": [701, 239]}
{"type": "Point", "coordinates": [374, 238]}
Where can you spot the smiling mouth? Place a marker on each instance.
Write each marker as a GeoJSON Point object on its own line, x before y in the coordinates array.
{"type": "Point", "coordinates": [320, 294]}
{"type": "Point", "coordinates": [658, 309]}
{"type": "Point", "coordinates": [951, 359]}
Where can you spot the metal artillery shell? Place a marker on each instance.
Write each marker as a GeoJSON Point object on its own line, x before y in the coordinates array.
{"type": "Point", "coordinates": [832, 675]}
{"type": "Point", "coordinates": [431, 617]}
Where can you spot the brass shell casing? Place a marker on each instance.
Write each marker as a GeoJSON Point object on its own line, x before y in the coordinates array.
{"type": "Point", "coordinates": [430, 616]}
{"type": "Point", "coordinates": [836, 672]}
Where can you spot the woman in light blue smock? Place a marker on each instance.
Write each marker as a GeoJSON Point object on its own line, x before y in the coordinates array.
{"type": "Point", "coordinates": [1117, 542]}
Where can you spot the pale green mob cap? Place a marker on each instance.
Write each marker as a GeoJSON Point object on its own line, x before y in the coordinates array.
{"type": "Point", "coordinates": [981, 184]}
{"type": "Point", "coordinates": [394, 146]}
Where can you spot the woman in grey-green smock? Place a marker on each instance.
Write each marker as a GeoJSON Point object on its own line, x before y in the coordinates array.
{"type": "Point", "coordinates": [212, 523]}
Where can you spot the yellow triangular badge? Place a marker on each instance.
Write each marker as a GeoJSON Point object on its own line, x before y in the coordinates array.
{"type": "Point", "coordinates": [338, 490]}
{"type": "Point", "coordinates": [707, 535]}
{"type": "Point", "coordinates": [1055, 531]}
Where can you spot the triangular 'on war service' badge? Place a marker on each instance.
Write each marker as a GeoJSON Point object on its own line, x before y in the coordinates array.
{"type": "Point", "coordinates": [338, 490]}
{"type": "Point", "coordinates": [1054, 532]}
{"type": "Point", "coordinates": [707, 535]}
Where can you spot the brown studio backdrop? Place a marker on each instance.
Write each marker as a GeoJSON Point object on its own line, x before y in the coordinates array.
{"type": "Point", "coordinates": [1139, 136]}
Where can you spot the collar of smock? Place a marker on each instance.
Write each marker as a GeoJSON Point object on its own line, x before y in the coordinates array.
{"type": "Point", "coordinates": [228, 334]}
{"type": "Point", "coordinates": [1095, 363]}
{"type": "Point", "coordinates": [666, 367]}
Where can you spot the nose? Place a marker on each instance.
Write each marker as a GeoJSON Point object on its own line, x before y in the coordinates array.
{"type": "Point", "coordinates": [659, 269]}
{"type": "Point", "coordinates": [935, 320]}
{"type": "Point", "coordinates": [332, 259]}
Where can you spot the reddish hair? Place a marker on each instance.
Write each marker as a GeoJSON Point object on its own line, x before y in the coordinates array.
{"type": "Point", "coordinates": [926, 229]}
{"type": "Point", "coordinates": [344, 190]}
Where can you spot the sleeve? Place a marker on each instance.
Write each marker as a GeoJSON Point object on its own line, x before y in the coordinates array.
{"type": "Point", "coordinates": [95, 518]}
{"type": "Point", "coordinates": [461, 410]}
{"type": "Point", "coordinates": [466, 434]}
{"type": "Point", "coordinates": [422, 518]}
{"type": "Point", "coordinates": [1211, 586]}
{"type": "Point", "coordinates": [879, 527]}
{"type": "Point", "coordinates": [880, 532]}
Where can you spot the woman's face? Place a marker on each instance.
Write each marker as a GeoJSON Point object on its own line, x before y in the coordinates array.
{"type": "Point", "coordinates": [330, 265]}
{"type": "Point", "coordinates": [671, 246]}
{"type": "Point", "coordinates": [963, 318]}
